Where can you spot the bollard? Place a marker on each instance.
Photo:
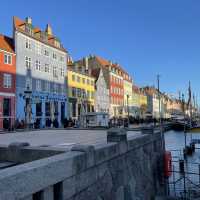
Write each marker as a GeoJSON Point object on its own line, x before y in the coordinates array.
{"type": "Point", "coordinates": [116, 135]}
{"type": "Point", "coordinates": [181, 166]}
{"type": "Point", "coordinates": [147, 130]}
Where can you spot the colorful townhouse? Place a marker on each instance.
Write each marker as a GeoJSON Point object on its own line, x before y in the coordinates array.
{"type": "Point", "coordinates": [113, 75]}
{"type": "Point", "coordinates": [135, 106]}
{"type": "Point", "coordinates": [7, 82]}
{"type": "Point", "coordinates": [102, 98]}
{"type": "Point", "coordinates": [155, 108]}
{"type": "Point", "coordinates": [142, 103]}
{"type": "Point", "coordinates": [128, 92]}
{"type": "Point", "coordinates": [41, 75]}
{"type": "Point", "coordinates": [81, 90]}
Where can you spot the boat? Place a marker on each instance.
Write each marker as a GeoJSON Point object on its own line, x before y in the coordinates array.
{"type": "Point", "coordinates": [195, 129]}
{"type": "Point", "coordinates": [180, 125]}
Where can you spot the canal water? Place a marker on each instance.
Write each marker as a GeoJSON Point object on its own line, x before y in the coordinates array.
{"type": "Point", "coordinates": [183, 184]}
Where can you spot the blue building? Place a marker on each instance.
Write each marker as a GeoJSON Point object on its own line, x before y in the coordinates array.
{"type": "Point", "coordinates": [41, 68]}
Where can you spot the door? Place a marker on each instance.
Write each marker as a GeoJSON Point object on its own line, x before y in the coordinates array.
{"type": "Point", "coordinates": [6, 113]}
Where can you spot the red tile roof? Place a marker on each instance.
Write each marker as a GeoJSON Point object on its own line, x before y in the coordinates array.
{"type": "Point", "coordinates": [102, 61]}
{"type": "Point", "coordinates": [6, 43]}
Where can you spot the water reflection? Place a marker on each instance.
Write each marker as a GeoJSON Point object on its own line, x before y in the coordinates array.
{"type": "Point", "coordinates": [175, 142]}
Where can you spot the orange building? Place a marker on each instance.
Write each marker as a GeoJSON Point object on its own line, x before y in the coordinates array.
{"type": "Point", "coordinates": [7, 82]}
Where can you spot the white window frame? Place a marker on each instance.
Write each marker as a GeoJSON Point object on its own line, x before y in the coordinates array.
{"type": "Point", "coordinates": [7, 59]}
{"type": "Point", "coordinates": [7, 80]}
{"type": "Point", "coordinates": [47, 68]}
{"type": "Point", "coordinates": [38, 65]}
{"type": "Point", "coordinates": [38, 48]}
{"type": "Point", "coordinates": [28, 44]}
{"type": "Point", "coordinates": [28, 62]}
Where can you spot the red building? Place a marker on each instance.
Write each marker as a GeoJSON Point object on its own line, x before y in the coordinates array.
{"type": "Point", "coordinates": [113, 74]}
{"type": "Point", "coordinates": [7, 82]}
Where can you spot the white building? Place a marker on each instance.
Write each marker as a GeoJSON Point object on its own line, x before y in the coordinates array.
{"type": "Point", "coordinates": [41, 66]}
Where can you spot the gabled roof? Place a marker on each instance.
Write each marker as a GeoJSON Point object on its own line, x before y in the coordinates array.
{"type": "Point", "coordinates": [106, 63]}
{"type": "Point", "coordinates": [135, 89]}
{"type": "Point", "coordinates": [19, 25]}
{"type": "Point", "coordinates": [7, 43]}
{"type": "Point", "coordinates": [102, 61]}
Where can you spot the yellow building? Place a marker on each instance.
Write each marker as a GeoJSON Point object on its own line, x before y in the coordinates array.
{"type": "Point", "coordinates": [81, 89]}
{"type": "Point", "coordinates": [142, 104]}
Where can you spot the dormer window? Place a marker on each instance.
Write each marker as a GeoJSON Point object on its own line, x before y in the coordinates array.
{"type": "Point", "coordinates": [57, 43]}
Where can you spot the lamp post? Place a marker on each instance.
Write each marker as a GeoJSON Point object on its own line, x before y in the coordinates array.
{"type": "Point", "coordinates": [128, 108]}
{"type": "Point", "coordinates": [27, 95]}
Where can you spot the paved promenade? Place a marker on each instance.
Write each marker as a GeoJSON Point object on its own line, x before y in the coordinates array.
{"type": "Point", "coordinates": [59, 138]}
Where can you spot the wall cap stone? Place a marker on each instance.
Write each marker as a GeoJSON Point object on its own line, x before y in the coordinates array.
{"type": "Point", "coordinates": [116, 135]}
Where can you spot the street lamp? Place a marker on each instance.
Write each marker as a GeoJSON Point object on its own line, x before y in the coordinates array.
{"type": "Point", "coordinates": [128, 107]}
{"type": "Point", "coordinates": [27, 95]}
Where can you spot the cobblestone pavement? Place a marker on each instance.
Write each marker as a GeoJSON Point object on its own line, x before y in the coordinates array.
{"type": "Point", "coordinates": [58, 138]}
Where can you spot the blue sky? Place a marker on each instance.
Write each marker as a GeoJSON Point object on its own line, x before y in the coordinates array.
{"type": "Point", "coordinates": [147, 37]}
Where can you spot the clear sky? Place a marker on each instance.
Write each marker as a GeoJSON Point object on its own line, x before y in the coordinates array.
{"type": "Point", "coordinates": [146, 37]}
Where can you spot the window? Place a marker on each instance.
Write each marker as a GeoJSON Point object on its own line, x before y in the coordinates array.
{"type": "Point", "coordinates": [54, 56]}
{"type": "Point", "coordinates": [92, 82]}
{"type": "Point", "coordinates": [28, 44]}
{"type": "Point", "coordinates": [47, 87]}
{"type": "Point", "coordinates": [78, 79]}
{"type": "Point", "coordinates": [46, 68]}
{"type": "Point", "coordinates": [83, 80]}
{"type": "Point", "coordinates": [55, 75]}
{"type": "Point", "coordinates": [83, 93]}
{"type": "Point", "coordinates": [7, 80]}
{"type": "Point", "coordinates": [74, 92]}
{"type": "Point", "coordinates": [78, 92]}
{"type": "Point", "coordinates": [38, 85]}
{"type": "Point", "coordinates": [46, 53]}
{"type": "Point", "coordinates": [28, 62]}
{"type": "Point", "coordinates": [61, 59]}
{"type": "Point", "coordinates": [7, 59]}
{"type": "Point", "coordinates": [62, 73]}
{"type": "Point", "coordinates": [88, 94]}
{"type": "Point", "coordinates": [37, 65]}
{"type": "Point", "coordinates": [73, 77]}
{"type": "Point", "coordinates": [88, 81]}
{"type": "Point", "coordinates": [92, 95]}
{"type": "Point", "coordinates": [38, 48]}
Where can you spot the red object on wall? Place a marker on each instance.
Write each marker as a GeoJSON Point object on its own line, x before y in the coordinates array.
{"type": "Point", "coordinates": [168, 164]}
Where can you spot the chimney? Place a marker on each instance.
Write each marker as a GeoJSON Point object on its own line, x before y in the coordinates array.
{"type": "Point", "coordinates": [28, 20]}
{"type": "Point", "coordinates": [48, 30]}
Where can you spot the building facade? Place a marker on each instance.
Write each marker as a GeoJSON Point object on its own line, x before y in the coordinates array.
{"type": "Point", "coordinates": [113, 75]}
{"type": "Point", "coordinates": [7, 82]}
{"type": "Point", "coordinates": [102, 99]}
{"type": "Point", "coordinates": [127, 93]}
{"type": "Point", "coordinates": [135, 107]}
{"type": "Point", "coordinates": [41, 75]}
{"type": "Point", "coordinates": [81, 91]}
{"type": "Point", "coordinates": [142, 103]}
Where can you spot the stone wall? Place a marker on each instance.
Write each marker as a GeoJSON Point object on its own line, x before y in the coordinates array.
{"type": "Point", "coordinates": [127, 169]}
